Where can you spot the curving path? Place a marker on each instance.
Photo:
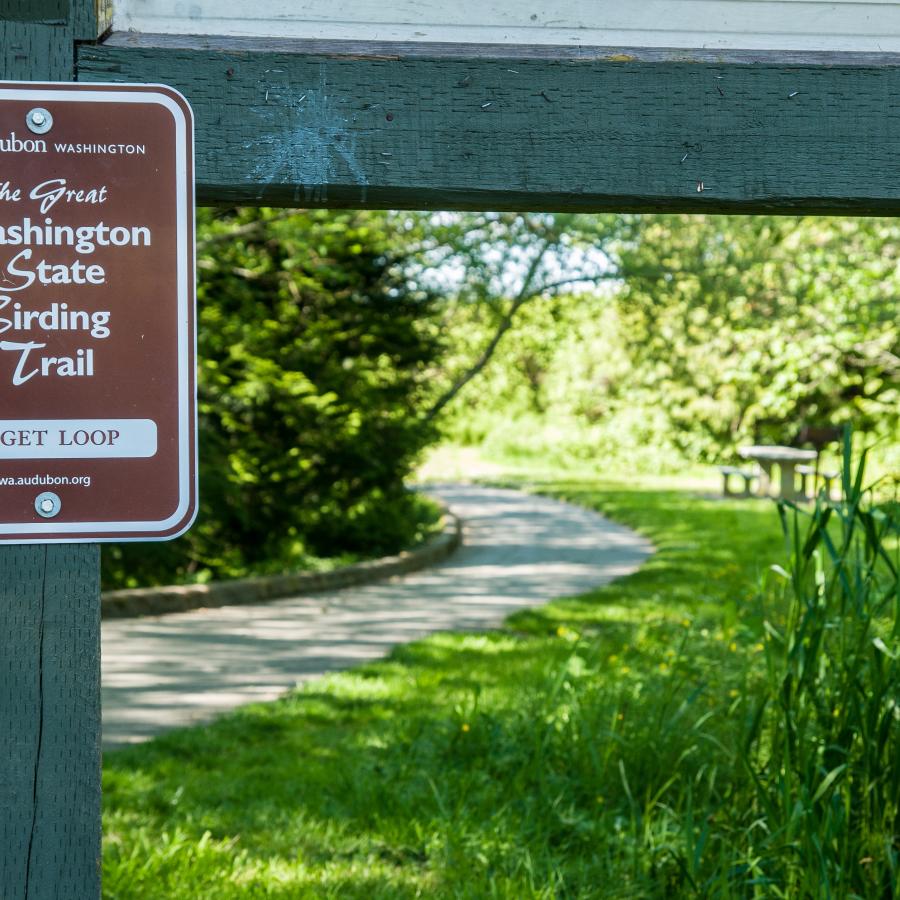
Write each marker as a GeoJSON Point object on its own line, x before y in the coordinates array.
{"type": "Point", "coordinates": [520, 550]}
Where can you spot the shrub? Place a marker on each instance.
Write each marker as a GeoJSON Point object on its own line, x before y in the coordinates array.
{"type": "Point", "coordinates": [312, 349]}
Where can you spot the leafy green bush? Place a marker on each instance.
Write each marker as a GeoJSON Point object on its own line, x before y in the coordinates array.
{"type": "Point", "coordinates": [313, 348]}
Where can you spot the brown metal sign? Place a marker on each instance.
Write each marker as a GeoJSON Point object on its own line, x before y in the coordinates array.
{"type": "Point", "coordinates": [97, 321]}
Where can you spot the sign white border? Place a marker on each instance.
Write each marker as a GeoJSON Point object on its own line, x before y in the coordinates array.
{"type": "Point", "coordinates": [94, 532]}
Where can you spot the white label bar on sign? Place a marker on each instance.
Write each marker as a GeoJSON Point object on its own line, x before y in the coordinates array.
{"type": "Point", "coordinates": [77, 438]}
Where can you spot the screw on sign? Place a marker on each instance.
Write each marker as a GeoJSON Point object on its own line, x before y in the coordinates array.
{"type": "Point", "coordinates": [96, 313]}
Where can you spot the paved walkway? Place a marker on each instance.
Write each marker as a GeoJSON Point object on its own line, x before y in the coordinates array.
{"type": "Point", "coordinates": [519, 551]}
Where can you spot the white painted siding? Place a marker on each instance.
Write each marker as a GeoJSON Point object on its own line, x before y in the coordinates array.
{"type": "Point", "coordinates": [860, 25]}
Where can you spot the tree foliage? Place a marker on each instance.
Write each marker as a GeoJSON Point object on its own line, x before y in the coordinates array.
{"type": "Point", "coordinates": [313, 344]}
{"type": "Point", "coordinates": [713, 331]}
{"type": "Point", "coordinates": [335, 345]}
{"type": "Point", "coordinates": [490, 266]}
{"type": "Point", "coordinates": [751, 327]}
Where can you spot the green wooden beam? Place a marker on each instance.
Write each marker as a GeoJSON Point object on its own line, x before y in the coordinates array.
{"type": "Point", "coordinates": [446, 126]}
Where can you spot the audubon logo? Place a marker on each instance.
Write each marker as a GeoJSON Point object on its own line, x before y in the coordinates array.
{"type": "Point", "coordinates": [13, 144]}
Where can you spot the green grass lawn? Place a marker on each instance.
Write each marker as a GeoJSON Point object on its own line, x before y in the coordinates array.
{"type": "Point", "coordinates": [591, 748]}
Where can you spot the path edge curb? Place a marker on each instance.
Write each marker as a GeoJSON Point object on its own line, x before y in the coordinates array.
{"type": "Point", "coordinates": [157, 601]}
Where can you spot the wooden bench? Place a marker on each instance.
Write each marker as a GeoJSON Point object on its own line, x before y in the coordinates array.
{"type": "Point", "coordinates": [808, 473]}
{"type": "Point", "coordinates": [747, 474]}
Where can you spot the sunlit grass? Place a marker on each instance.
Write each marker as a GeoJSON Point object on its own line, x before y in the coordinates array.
{"type": "Point", "coordinates": [589, 749]}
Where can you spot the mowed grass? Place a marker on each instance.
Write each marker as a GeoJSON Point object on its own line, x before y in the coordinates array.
{"type": "Point", "coordinates": [591, 748]}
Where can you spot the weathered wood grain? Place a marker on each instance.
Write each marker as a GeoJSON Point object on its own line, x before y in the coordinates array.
{"type": "Point", "coordinates": [762, 24]}
{"type": "Point", "coordinates": [91, 18]}
{"type": "Point", "coordinates": [30, 52]}
{"type": "Point", "coordinates": [45, 12]}
{"type": "Point", "coordinates": [50, 722]}
{"type": "Point", "coordinates": [509, 128]}
{"type": "Point", "coordinates": [373, 49]}
{"type": "Point", "coordinates": [49, 650]}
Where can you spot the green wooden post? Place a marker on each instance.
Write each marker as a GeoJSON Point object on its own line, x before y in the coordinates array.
{"type": "Point", "coordinates": [49, 617]}
{"type": "Point", "coordinates": [50, 721]}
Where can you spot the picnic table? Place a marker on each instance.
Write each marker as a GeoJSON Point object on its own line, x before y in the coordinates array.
{"type": "Point", "coordinates": [786, 459]}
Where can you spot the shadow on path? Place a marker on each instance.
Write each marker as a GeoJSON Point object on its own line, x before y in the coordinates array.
{"type": "Point", "coordinates": [519, 551]}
